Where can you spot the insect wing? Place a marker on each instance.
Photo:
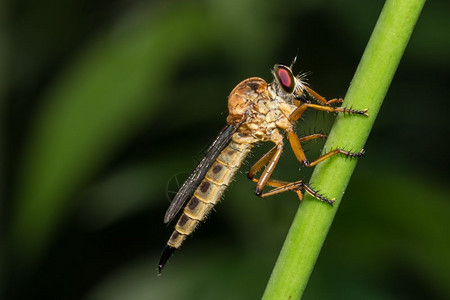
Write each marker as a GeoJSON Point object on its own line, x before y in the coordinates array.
{"type": "Point", "coordinates": [196, 177]}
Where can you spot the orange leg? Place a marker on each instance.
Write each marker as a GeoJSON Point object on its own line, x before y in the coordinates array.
{"type": "Point", "coordinates": [297, 187]}
{"type": "Point", "coordinates": [271, 158]}
{"type": "Point", "coordinates": [278, 184]}
{"type": "Point", "coordinates": [298, 112]}
{"type": "Point", "coordinates": [266, 157]}
{"type": "Point", "coordinates": [261, 163]}
{"type": "Point", "coordinates": [324, 106]}
{"type": "Point", "coordinates": [322, 99]}
{"type": "Point", "coordinates": [312, 137]}
{"type": "Point", "coordinates": [298, 151]}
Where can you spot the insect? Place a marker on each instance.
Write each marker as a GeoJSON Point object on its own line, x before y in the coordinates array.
{"type": "Point", "coordinates": [258, 112]}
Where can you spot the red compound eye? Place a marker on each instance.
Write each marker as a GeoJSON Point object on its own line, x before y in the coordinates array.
{"type": "Point", "coordinates": [285, 78]}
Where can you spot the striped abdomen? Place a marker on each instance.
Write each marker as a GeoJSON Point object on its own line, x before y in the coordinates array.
{"type": "Point", "coordinates": [207, 195]}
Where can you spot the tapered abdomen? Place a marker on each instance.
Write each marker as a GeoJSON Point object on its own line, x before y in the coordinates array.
{"type": "Point", "coordinates": [208, 194]}
{"type": "Point", "coordinates": [209, 191]}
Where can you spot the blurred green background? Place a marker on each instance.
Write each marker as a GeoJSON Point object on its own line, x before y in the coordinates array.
{"type": "Point", "coordinates": [105, 104]}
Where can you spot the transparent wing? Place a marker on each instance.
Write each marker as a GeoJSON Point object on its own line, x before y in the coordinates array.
{"type": "Point", "coordinates": [190, 185]}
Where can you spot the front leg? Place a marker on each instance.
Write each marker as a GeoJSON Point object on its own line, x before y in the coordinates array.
{"type": "Point", "coordinates": [321, 99]}
{"type": "Point", "coordinates": [323, 106]}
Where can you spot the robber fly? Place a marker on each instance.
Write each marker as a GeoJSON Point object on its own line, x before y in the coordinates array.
{"type": "Point", "coordinates": [258, 112]}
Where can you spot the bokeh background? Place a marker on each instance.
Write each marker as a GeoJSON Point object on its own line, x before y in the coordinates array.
{"type": "Point", "coordinates": [105, 105]}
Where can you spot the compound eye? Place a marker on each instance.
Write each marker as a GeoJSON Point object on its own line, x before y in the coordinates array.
{"type": "Point", "coordinates": [285, 78]}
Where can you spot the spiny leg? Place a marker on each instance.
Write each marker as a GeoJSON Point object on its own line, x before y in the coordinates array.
{"type": "Point", "coordinates": [261, 163]}
{"type": "Point", "coordinates": [282, 186]}
{"type": "Point", "coordinates": [272, 157]}
{"type": "Point", "coordinates": [298, 151]}
{"type": "Point", "coordinates": [321, 99]}
{"type": "Point", "coordinates": [266, 157]}
{"type": "Point", "coordinates": [297, 187]}
{"type": "Point", "coordinates": [298, 112]}
{"type": "Point", "coordinates": [313, 136]}
{"type": "Point", "coordinates": [334, 152]}
{"type": "Point", "coordinates": [324, 106]}
{"type": "Point", "coordinates": [337, 109]}
{"type": "Point", "coordinates": [277, 184]}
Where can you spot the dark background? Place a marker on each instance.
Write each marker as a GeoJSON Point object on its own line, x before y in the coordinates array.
{"type": "Point", "coordinates": [106, 103]}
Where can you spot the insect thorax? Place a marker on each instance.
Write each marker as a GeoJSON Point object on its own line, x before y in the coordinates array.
{"type": "Point", "coordinates": [262, 107]}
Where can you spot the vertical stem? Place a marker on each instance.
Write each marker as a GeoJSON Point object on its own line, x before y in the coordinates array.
{"type": "Point", "coordinates": [367, 90]}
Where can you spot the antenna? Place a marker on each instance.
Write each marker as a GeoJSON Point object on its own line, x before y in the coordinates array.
{"type": "Point", "coordinates": [294, 61]}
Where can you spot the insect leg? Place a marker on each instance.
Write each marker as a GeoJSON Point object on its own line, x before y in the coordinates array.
{"type": "Point", "coordinates": [283, 186]}
{"type": "Point", "coordinates": [298, 151]}
{"type": "Point", "coordinates": [334, 152]}
{"type": "Point", "coordinates": [297, 187]}
{"type": "Point", "coordinates": [271, 159]}
{"type": "Point", "coordinates": [298, 112]}
{"type": "Point", "coordinates": [297, 147]}
{"type": "Point", "coordinates": [310, 137]}
{"type": "Point", "coordinates": [324, 106]}
{"type": "Point", "coordinates": [261, 163]}
{"type": "Point", "coordinates": [337, 109]}
{"type": "Point", "coordinates": [322, 99]}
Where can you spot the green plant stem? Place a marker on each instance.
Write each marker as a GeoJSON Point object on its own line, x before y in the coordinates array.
{"type": "Point", "coordinates": [367, 90]}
